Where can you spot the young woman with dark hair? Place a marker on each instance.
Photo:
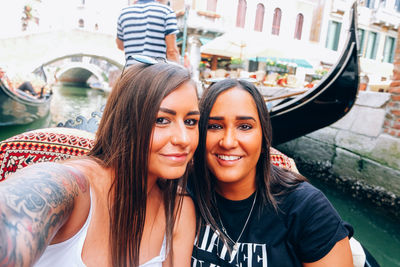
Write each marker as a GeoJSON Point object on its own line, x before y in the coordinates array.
{"type": "Point", "coordinates": [253, 213]}
{"type": "Point", "coordinates": [122, 205]}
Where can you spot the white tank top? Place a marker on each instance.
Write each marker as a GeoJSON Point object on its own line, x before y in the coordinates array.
{"type": "Point", "coordinates": [68, 253]}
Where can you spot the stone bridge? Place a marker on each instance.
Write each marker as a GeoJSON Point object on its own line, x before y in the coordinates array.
{"type": "Point", "coordinates": [26, 53]}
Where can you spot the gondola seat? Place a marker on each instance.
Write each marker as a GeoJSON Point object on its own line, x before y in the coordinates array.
{"type": "Point", "coordinates": [55, 144]}
{"type": "Point", "coordinates": [51, 144]}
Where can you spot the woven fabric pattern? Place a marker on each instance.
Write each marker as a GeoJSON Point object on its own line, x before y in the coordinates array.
{"type": "Point", "coordinates": [43, 145]}
{"type": "Point", "coordinates": [55, 144]}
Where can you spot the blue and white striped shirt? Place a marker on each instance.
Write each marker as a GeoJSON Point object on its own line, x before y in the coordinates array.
{"type": "Point", "coordinates": [143, 27]}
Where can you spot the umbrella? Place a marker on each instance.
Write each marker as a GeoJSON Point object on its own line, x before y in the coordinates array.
{"type": "Point", "coordinates": [236, 43]}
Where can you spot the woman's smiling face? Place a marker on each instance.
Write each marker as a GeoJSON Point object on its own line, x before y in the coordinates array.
{"type": "Point", "coordinates": [234, 139]}
{"type": "Point", "coordinates": [175, 134]}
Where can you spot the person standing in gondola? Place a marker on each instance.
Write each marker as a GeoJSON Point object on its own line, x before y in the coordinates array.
{"type": "Point", "coordinates": [148, 28]}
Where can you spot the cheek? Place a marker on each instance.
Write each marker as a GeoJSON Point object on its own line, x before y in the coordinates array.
{"type": "Point", "coordinates": [157, 139]}
{"type": "Point", "coordinates": [195, 138]}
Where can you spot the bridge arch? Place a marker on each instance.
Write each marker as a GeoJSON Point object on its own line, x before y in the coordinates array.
{"type": "Point", "coordinates": [29, 51]}
{"type": "Point", "coordinates": [79, 73]}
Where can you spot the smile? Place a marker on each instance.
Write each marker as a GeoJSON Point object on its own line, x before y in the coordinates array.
{"type": "Point", "coordinates": [228, 158]}
{"type": "Point", "coordinates": [179, 157]}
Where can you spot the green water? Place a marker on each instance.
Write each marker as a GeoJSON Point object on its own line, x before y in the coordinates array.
{"type": "Point", "coordinates": [376, 230]}
{"type": "Point", "coordinates": [68, 102]}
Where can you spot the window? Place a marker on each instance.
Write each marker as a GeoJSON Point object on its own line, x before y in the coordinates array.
{"type": "Point", "coordinates": [370, 3]}
{"type": "Point", "coordinates": [332, 40]}
{"type": "Point", "coordinates": [258, 25]}
{"type": "Point", "coordinates": [81, 23]}
{"type": "Point", "coordinates": [276, 23]}
{"type": "Point", "coordinates": [212, 5]}
{"type": "Point", "coordinates": [361, 41]}
{"type": "Point", "coordinates": [299, 26]}
{"type": "Point", "coordinates": [372, 45]}
{"type": "Point", "coordinates": [397, 5]}
{"type": "Point", "coordinates": [241, 13]}
{"type": "Point", "coordinates": [388, 51]}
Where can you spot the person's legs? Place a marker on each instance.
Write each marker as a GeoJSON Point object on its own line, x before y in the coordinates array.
{"type": "Point", "coordinates": [27, 87]}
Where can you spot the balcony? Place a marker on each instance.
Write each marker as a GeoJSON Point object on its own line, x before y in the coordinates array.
{"type": "Point", "coordinates": [202, 21]}
{"type": "Point", "coordinates": [386, 17]}
{"type": "Point", "coordinates": [340, 6]}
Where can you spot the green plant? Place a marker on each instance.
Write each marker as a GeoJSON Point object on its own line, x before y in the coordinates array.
{"type": "Point", "coordinates": [203, 64]}
{"type": "Point", "coordinates": [236, 61]}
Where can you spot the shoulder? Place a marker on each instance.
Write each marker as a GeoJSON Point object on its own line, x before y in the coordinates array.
{"type": "Point", "coordinates": [187, 211]}
{"type": "Point", "coordinates": [304, 192]}
{"type": "Point", "coordinates": [160, 7]}
{"type": "Point", "coordinates": [306, 202]}
{"type": "Point", "coordinates": [186, 215]}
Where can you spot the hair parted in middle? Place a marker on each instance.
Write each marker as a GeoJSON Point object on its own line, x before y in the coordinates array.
{"type": "Point", "coordinates": [122, 143]}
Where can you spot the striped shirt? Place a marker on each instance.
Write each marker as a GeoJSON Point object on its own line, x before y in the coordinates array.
{"type": "Point", "coordinates": [143, 26]}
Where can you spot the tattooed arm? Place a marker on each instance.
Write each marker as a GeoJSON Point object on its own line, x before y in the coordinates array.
{"type": "Point", "coordinates": [34, 203]}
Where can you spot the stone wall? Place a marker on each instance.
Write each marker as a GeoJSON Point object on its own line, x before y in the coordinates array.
{"type": "Point", "coordinates": [356, 152]}
{"type": "Point", "coordinates": [392, 121]}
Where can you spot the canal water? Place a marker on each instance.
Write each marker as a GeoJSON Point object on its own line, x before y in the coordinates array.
{"type": "Point", "coordinates": [376, 230]}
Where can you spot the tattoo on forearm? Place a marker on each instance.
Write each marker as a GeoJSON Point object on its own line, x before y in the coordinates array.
{"type": "Point", "coordinates": [34, 203]}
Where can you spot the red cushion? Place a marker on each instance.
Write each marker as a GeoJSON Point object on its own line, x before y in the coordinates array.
{"type": "Point", "coordinates": [281, 160]}
{"type": "Point", "coordinates": [52, 144]}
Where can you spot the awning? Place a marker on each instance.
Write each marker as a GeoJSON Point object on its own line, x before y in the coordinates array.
{"type": "Point", "coordinates": [204, 40]}
{"type": "Point", "coordinates": [302, 63]}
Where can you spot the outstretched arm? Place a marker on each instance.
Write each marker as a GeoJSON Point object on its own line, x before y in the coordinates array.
{"type": "Point", "coordinates": [34, 203]}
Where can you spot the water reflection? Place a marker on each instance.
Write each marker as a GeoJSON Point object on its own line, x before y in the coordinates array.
{"type": "Point", "coordinates": [68, 102]}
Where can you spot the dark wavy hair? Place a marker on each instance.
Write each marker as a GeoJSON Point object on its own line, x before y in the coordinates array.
{"type": "Point", "coordinates": [122, 143]}
{"type": "Point", "coordinates": [271, 181]}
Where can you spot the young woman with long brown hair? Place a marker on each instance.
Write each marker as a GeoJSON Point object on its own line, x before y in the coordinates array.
{"type": "Point", "coordinates": [253, 213]}
{"type": "Point", "coordinates": [122, 205]}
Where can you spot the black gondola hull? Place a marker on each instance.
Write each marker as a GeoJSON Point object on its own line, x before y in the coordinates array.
{"type": "Point", "coordinates": [325, 104]}
{"type": "Point", "coordinates": [16, 109]}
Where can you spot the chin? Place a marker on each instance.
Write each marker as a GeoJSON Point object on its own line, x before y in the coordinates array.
{"type": "Point", "coordinates": [175, 174]}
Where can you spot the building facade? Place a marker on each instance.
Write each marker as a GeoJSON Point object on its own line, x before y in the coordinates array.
{"type": "Point", "coordinates": [317, 23]}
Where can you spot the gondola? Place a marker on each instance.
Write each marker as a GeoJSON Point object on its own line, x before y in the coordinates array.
{"type": "Point", "coordinates": [324, 104]}
{"type": "Point", "coordinates": [20, 107]}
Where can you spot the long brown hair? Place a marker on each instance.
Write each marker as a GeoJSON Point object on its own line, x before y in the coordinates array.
{"type": "Point", "coordinates": [122, 143]}
{"type": "Point", "coordinates": [271, 181]}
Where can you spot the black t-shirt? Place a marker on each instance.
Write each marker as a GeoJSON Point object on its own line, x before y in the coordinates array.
{"type": "Point", "coordinates": [305, 229]}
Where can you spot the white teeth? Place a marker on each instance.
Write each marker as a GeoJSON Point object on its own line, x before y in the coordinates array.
{"type": "Point", "coordinates": [224, 157]}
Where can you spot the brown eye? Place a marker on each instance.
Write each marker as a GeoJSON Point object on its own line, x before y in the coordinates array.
{"type": "Point", "coordinates": [162, 121]}
{"type": "Point", "coordinates": [191, 122]}
{"type": "Point", "coordinates": [214, 126]}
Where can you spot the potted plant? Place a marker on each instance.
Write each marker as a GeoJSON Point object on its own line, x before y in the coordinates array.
{"type": "Point", "coordinates": [202, 65]}
{"type": "Point", "coordinates": [236, 63]}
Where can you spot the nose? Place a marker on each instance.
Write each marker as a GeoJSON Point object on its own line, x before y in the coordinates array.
{"type": "Point", "coordinates": [228, 140]}
{"type": "Point", "coordinates": [180, 135]}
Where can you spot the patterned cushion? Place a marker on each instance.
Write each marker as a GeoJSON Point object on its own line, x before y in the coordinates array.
{"type": "Point", "coordinates": [54, 144]}
{"type": "Point", "coordinates": [281, 160]}
{"type": "Point", "coordinates": [42, 145]}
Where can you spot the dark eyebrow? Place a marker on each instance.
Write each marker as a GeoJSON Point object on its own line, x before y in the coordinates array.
{"type": "Point", "coordinates": [243, 118]}
{"type": "Point", "coordinates": [240, 118]}
{"type": "Point", "coordinates": [216, 118]}
{"type": "Point", "coordinates": [195, 112]}
{"type": "Point", "coordinates": [167, 110]}
{"type": "Point", "coordinates": [173, 112]}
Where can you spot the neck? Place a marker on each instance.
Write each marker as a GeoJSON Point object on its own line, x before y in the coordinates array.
{"type": "Point", "coordinates": [234, 192]}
